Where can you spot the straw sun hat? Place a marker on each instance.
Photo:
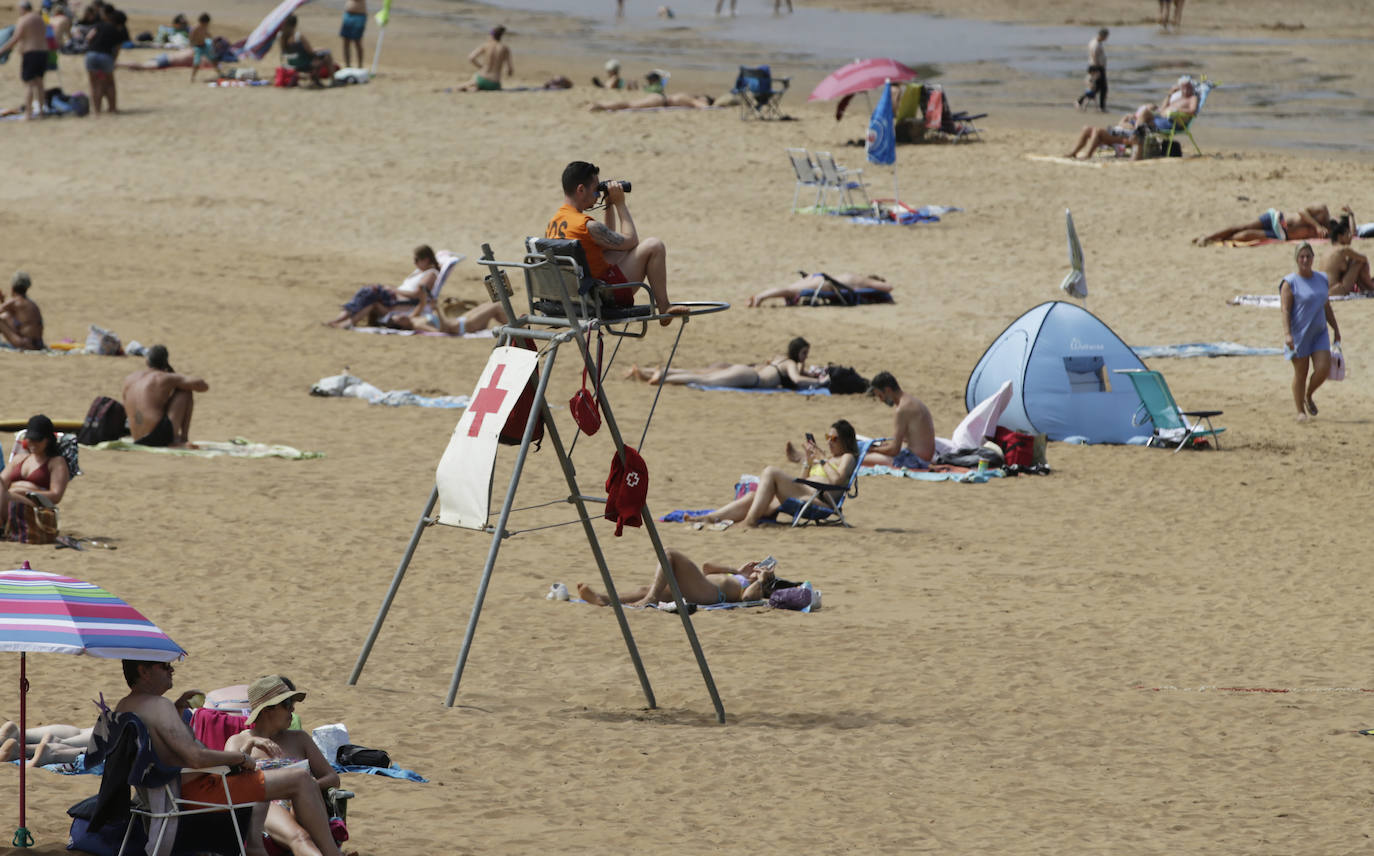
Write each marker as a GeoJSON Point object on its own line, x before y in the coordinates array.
{"type": "Point", "coordinates": [267, 691]}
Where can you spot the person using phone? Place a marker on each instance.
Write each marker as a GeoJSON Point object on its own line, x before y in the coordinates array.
{"type": "Point", "coordinates": [709, 584]}
{"type": "Point", "coordinates": [776, 485]}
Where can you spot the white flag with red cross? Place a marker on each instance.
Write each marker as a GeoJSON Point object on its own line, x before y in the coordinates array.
{"type": "Point", "coordinates": [464, 474]}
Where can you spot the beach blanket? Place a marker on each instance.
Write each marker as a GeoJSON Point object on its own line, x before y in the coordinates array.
{"type": "Point", "coordinates": [392, 331]}
{"type": "Point", "coordinates": [1271, 301]}
{"type": "Point", "coordinates": [233, 84]}
{"type": "Point", "coordinates": [1262, 241]}
{"type": "Point", "coordinates": [1095, 163]}
{"type": "Point", "coordinates": [1203, 349]}
{"type": "Point", "coordinates": [924, 214]}
{"type": "Point", "coordinates": [937, 473]}
{"type": "Point", "coordinates": [819, 390]}
{"type": "Point", "coordinates": [680, 515]}
{"type": "Point", "coordinates": [348, 386]}
{"type": "Point", "coordinates": [743, 604]}
{"type": "Point", "coordinates": [392, 772]}
{"type": "Point", "coordinates": [235, 448]}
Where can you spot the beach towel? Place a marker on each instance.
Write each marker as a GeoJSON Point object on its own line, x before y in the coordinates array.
{"type": "Point", "coordinates": [680, 515]}
{"type": "Point", "coordinates": [939, 473]}
{"type": "Point", "coordinates": [1094, 162]}
{"type": "Point", "coordinates": [743, 604]}
{"type": "Point", "coordinates": [348, 386]}
{"type": "Point", "coordinates": [393, 772]}
{"type": "Point", "coordinates": [819, 390]}
{"type": "Point", "coordinates": [1203, 349]}
{"type": "Point", "coordinates": [861, 296]}
{"type": "Point", "coordinates": [392, 331]}
{"type": "Point", "coordinates": [1271, 301]}
{"type": "Point", "coordinates": [235, 448]}
{"type": "Point", "coordinates": [910, 217]}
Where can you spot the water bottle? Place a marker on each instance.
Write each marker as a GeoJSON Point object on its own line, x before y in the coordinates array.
{"type": "Point", "coordinates": [557, 591]}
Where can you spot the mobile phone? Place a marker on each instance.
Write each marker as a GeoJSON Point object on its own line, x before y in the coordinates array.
{"type": "Point", "coordinates": [767, 564]}
{"type": "Point", "coordinates": [810, 438]}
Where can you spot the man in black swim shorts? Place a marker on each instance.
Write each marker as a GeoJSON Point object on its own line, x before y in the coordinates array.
{"type": "Point", "coordinates": [31, 40]}
{"type": "Point", "coordinates": [159, 400]}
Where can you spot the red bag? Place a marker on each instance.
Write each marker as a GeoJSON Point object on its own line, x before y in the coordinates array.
{"type": "Point", "coordinates": [1017, 449]}
{"type": "Point", "coordinates": [584, 406]}
{"type": "Point", "coordinates": [514, 429]}
{"type": "Point", "coordinates": [285, 77]}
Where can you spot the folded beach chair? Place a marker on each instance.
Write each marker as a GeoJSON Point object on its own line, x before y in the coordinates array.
{"type": "Point", "coordinates": [943, 121]}
{"type": "Point", "coordinates": [825, 507]}
{"type": "Point", "coordinates": [808, 175]}
{"type": "Point", "coordinates": [170, 823]}
{"type": "Point", "coordinates": [1173, 426]}
{"type": "Point", "coordinates": [759, 92]}
{"type": "Point", "coordinates": [1166, 128]}
{"type": "Point", "coordinates": [558, 286]}
{"type": "Point", "coordinates": [840, 180]}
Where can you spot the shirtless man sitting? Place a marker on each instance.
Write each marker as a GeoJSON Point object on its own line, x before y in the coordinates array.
{"type": "Point", "coordinates": [158, 401]}
{"type": "Point", "coordinates": [1302, 225]}
{"type": "Point", "coordinates": [21, 324]}
{"type": "Point", "coordinates": [1179, 106]}
{"type": "Point", "coordinates": [176, 746]}
{"type": "Point", "coordinates": [912, 444]}
{"type": "Point", "coordinates": [31, 38]}
{"type": "Point", "coordinates": [489, 57]}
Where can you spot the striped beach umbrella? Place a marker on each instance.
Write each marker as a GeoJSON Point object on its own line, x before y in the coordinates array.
{"type": "Point", "coordinates": [59, 615]}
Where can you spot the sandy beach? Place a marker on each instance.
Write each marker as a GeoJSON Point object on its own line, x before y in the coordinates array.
{"type": "Point", "coordinates": [1033, 665]}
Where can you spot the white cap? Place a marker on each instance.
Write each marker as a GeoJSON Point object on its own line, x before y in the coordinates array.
{"type": "Point", "coordinates": [612, 65]}
{"type": "Point", "coordinates": [1187, 78]}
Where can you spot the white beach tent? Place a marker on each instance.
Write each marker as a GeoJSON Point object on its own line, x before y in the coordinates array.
{"type": "Point", "coordinates": [1059, 359]}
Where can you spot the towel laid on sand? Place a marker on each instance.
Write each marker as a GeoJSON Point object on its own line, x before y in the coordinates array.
{"type": "Point", "coordinates": [235, 448]}
{"type": "Point", "coordinates": [80, 769]}
{"type": "Point", "coordinates": [1203, 349]}
{"type": "Point", "coordinates": [924, 214]}
{"type": "Point", "coordinates": [348, 386]}
{"type": "Point", "coordinates": [392, 331]}
{"type": "Point", "coordinates": [743, 604]}
{"type": "Point", "coordinates": [1271, 301]}
{"type": "Point", "coordinates": [937, 474]}
{"type": "Point", "coordinates": [820, 390]}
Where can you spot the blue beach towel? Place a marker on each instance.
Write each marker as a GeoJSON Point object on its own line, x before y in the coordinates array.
{"type": "Point", "coordinates": [820, 390]}
{"type": "Point", "coordinates": [970, 477]}
{"type": "Point", "coordinates": [1204, 349]}
{"type": "Point", "coordinates": [393, 772]}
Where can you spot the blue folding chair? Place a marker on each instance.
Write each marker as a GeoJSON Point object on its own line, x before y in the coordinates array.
{"type": "Point", "coordinates": [759, 92]}
{"type": "Point", "coordinates": [825, 507]}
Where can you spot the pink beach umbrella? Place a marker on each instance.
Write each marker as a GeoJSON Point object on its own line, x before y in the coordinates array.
{"type": "Point", "coordinates": [60, 615]}
{"type": "Point", "coordinates": [860, 76]}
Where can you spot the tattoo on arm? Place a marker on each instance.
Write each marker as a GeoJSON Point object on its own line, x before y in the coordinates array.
{"type": "Point", "coordinates": [605, 237]}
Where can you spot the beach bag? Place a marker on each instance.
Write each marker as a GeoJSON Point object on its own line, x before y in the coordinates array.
{"type": "Point", "coordinates": [103, 342]}
{"type": "Point", "coordinates": [1337, 363]}
{"type": "Point", "coordinates": [29, 525]}
{"type": "Point", "coordinates": [106, 840]}
{"type": "Point", "coordinates": [586, 411]}
{"type": "Point", "coordinates": [104, 421]}
{"type": "Point", "coordinates": [1018, 449]}
{"type": "Point", "coordinates": [845, 381]}
{"type": "Point", "coordinates": [285, 77]}
{"type": "Point", "coordinates": [352, 755]}
{"type": "Point", "coordinates": [514, 429]}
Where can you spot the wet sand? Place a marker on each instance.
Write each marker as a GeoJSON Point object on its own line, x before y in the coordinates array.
{"type": "Point", "coordinates": [982, 676]}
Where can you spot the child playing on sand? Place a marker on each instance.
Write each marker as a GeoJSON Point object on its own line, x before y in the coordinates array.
{"type": "Point", "coordinates": [203, 46]}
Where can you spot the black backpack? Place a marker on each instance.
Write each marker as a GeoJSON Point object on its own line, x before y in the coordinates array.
{"type": "Point", "coordinates": [104, 421]}
{"type": "Point", "coordinates": [845, 381]}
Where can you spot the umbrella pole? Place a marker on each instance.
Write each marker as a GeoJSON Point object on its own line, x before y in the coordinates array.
{"type": "Point", "coordinates": [22, 838]}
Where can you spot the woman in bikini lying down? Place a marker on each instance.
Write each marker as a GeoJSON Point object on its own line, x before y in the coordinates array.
{"type": "Point", "coordinates": [656, 99]}
{"type": "Point", "coordinates": [777, 486]}
{"type": "Point", "coordinates": [819, 283]}
{"type": "Point", "coordinates": [788, 372]}
{"type": "Point", "coordinates": [705, 586]}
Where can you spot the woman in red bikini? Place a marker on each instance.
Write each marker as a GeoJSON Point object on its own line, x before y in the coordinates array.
{"type": "Point", "coordinates": [33, 481]}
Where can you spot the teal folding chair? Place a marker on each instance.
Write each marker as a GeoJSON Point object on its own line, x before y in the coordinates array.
{"type": "Point", "coordinates": [1166, 127]}
{"type": "Point", "coordinates": [1172, 424]}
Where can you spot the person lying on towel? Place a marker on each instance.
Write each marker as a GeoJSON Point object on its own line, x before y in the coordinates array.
{"type": "Point", "coordinates": [372, 304]}
{"type": "Point", "coordinates": [786, 372]}
{"type": "Point", "coordinates": [823, 284]}
{"type": "Point", "coordinates": [705, 586]}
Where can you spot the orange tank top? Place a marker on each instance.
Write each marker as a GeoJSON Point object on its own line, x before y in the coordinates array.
{"type": "Point", "coordinates": [571, 223]}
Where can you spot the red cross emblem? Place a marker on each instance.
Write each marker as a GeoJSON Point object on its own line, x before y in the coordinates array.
{"type": "Point", "coordinates": [488, 400]}
{"type": "Point", "coordinates": [631, 479]}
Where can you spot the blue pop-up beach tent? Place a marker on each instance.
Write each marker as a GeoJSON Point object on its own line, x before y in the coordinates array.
{"type": "Point", "coordinates": [1059, 358]}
